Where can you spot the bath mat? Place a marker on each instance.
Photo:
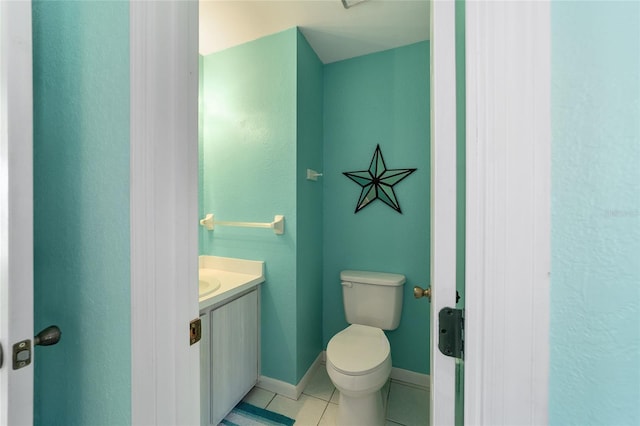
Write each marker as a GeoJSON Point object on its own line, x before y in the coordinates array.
{"type": "Point", "coordinates": [249, 415]}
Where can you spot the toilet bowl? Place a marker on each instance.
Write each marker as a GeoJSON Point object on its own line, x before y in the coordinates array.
{"type": "Point", "coordinates": [359, 364]}
{"type": "Point", "coordinates": [359, 357]}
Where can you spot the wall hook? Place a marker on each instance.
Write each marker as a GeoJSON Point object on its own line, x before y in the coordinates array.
{"type": "Point", "coordinates": [312, 174]}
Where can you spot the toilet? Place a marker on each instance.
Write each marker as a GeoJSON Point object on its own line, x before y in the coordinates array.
{"type": "Point", "coordinates": [359, 357]}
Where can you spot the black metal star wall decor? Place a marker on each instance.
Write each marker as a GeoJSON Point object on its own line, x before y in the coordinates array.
{"type": "Point", "coordinates": [378, 182]}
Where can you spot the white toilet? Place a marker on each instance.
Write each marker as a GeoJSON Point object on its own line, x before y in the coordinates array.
{"type": "Point", "coordinates": [359, 357]}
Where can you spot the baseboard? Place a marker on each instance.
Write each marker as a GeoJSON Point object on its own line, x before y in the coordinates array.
{"type": "Point", "coordinates": [287, 389]}
{"type": "Point", "coordinates": [277, 386]}
{"type": "Point", "coordinates": [308, 375]}
{"type": "Point", "coordinates": [410, 377]}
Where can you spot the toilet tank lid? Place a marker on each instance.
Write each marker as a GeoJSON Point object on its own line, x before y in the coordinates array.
{"type": "Point", "coordinates": [376, 278]}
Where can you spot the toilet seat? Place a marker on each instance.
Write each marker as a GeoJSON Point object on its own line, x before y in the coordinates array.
{"type": "Point", "coordinates": [358, 350]}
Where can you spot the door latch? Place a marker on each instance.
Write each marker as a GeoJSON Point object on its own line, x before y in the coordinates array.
{"type": "Point", "coordinates": [21, 354]}
{"type": "Point", "coordinates": [195, 331]}
{"type": "Point", "coordinates": [451, 326]}
{"type": "Point", "coordinates": [22, 350]}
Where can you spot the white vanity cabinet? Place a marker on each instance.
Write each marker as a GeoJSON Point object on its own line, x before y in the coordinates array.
{"type": "Point", "coordinates": [229, 354]}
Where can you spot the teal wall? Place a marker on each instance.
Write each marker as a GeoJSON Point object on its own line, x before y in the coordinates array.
{"type": "Point", "coordinates": [81, 211]}
{"type": "Point", "coordinates": [249, 174]}
{"type": "Point", "coordinates": [309, 205]}
{"type": "Point", "coordinates": [595, 290]}
{"type": "Point", "coordinates": [382, 98]}
{"type": "Point", "coordinates": [260, 127]}
{"type": "Point", "coordinates": [272, 110]}
{"type": "Point", "coordinates": [201, 235]}
{"type": "Point", "coordinates": [461, 187]}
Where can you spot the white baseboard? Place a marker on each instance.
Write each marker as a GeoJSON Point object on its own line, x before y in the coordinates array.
{"type": "Point", "coordinates": [410, 377]}
{"type": "Point", "coordinates": [277, 386]}
{"type": "Point", "coordinates": [287, 389]}
{"type": "Point", "coordinates": [308, 375]}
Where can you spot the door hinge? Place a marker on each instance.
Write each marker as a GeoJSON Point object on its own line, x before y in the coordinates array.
{"type": "Point", "coordinates": [451, 326]}
{"type": "Point", "coordinates": [195, 331]}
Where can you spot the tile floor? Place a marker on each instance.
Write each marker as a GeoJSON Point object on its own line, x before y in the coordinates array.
{"type": "Point", "coordinates": [318, 405]}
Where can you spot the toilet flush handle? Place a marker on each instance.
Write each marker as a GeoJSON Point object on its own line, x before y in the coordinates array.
{"type": "Point", "coordinates": [419, 292]}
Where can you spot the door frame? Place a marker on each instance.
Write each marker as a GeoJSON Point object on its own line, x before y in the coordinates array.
{"type": "Point", "coordinates": [16, 208]}
{"type": "Point", "coordinates": [508, 216]}
{"type": "Point", "coordinates": [160, 168]}
{"type": "Point", "coordinates": [443, 203]}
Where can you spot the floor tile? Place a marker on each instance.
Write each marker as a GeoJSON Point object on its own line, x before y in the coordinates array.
{"type": "Point", "coordinates": [329, 416]}
{"type": "Point", "coordinates": [320, 384]}
{"type": "Point", "coordinates": [335, 398]}
{"type": "Point", "coordinates": [306, 411]}
{"type": "Point", "coordinates": [259, 397]}
{"type": "Point", "coordinates": [408, 405]}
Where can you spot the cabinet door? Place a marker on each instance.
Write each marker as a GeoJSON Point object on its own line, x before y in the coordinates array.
{"type": "Point", "coordinates": [234, 353]}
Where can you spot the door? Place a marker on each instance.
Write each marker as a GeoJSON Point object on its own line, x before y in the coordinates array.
{"type": "Point", "coordinates": [165, 367]}
{"type": "Point", "coordinates": [16, 210]}
{"type": "Point", "coordinates": [443, 204]}
{"type": "Point", "coordinates": [508, 223]}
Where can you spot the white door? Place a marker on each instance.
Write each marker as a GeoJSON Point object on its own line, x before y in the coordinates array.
{"type": "Point", "coordinates": [508, 220]}
{"type": "Point", "coordinates": [443, 203]}
{"type": "Point", "coordinates": [164, 382]}
{"type": "Point", "coordinates": [165, 368]}
{"type": "Point", "coordinates": [16, 212]}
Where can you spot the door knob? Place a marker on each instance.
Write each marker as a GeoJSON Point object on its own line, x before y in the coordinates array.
{"type": "Point", "coordinates": [47, 337]}
{"type": "Point", "coordinates": [22, 350]}
{"type": "Point", "coordinates": [419, 292]}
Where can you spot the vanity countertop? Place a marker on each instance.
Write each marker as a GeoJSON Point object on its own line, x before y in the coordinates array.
{"type": "Point", "coordinates": [235, 276]}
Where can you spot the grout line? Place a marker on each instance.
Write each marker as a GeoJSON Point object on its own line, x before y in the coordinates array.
{"type": "Point", "coordinates": [332, 393]}
{"type": "Point", "coordinates": [271, 400]}
{"type": "Point", "coordinates": [323, 411]}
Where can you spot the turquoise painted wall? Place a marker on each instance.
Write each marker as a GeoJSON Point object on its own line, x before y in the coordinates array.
{"type": "Point", "coordinates": [309, 205]}
{"type": "Point", "coordinates": [382, 98]}
{"type": "Point", "coordinates": [201, 234]}
{"type": "Point", "coordinates": [595, 281]}
{"type": "Point", "coordinates": [249, 174]}
{"type": "Point", "coordinates": [81, 211]}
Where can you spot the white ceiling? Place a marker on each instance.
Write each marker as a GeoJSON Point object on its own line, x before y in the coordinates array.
{"type": "Point", "coordinates": [335, 33]}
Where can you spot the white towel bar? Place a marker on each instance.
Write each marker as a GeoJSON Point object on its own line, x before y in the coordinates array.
{"type": "Point", "coordinates": [277, 225]}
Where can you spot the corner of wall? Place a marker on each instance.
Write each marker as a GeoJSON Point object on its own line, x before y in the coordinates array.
{"type": "Point", "coordinates": [309, 140]}
{"type": "Point", "coordinates": [249, 148]}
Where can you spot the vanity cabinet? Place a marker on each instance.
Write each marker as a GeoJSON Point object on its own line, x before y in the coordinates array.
{"type": "Point", "coordinates": [229, 356]}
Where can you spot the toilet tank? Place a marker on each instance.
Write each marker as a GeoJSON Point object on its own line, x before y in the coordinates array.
{"type": "Point", "coordinates": [372, 298]}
